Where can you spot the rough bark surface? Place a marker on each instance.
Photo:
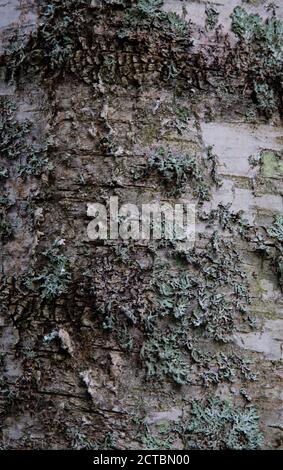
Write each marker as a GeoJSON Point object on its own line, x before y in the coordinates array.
{"type": "Point", "coordinates": [141, 345]}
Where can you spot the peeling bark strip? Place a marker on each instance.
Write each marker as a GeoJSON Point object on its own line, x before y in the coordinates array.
{"type": "Point", "coordinates": [141, 344]}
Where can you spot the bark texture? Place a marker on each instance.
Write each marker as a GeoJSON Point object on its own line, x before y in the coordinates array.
{"type": "Point", "coordinates": [114, 345]}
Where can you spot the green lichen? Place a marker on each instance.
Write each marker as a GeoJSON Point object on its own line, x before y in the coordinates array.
{"type": "Point", "coordinates": [55, 42]}
{"type": "Point", "coordinates": [146, 14]}
{"type": "Point", "coordinates": [271, 165]}
{"type": "Point", "coordinates": [6, 229]}
{"type": "Point", "coordinates": [55, 277]}
{"type": "Point", "coordinates": [215, 424]}
{"type": "Point", "coordinates": [234, 222]}
{"type": "Point", "coordinates": [265, 98]}
{"type": "Point", "coordinates": [17, 147]}
{"type": "Point", "coordinates": [13, 133]}
{"type": "Point", "coordinates": [196, 292]}
{"type": "Point", "coordinates": [162, 358]}
{"type": "Point", "coordinates": [153, 442]}
{"type": "Point", "coordinates": [211, 17]}
{"type": "Point", "coordinates": [261, 46]}
{"type": "Point", "coordinates": [179, 170]}
{"type": "Point", "coordinates": [80, 441]}
{"type": "Point", "coordinates": [270, 244]}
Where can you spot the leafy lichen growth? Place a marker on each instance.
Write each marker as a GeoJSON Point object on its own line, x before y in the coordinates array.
{"type": "Point", "coordinates": [179, 171]}
{"type": "Point", "coordinates": [6, 229]}
{"type": "Point", "coordinates": [162, 358]}
{"type": "Point", "coordinates": [211, 17]}
{"type": "Point", "coordinates": [153, 442]}
{"type": "Point", "coordinates": [215, 424]}
{"type": "Point", "coordinates": [146, 14]}
{"type": "Point", "coordinates": [55, 277]}
{"type": "Point", "coordinates": [234, 222]}
{"type": "Point", "coordinates": [271, 164]}
{"type": "Point", "coordinates": [262, 57]}
{"type": "Point", "coordinates": [276, 233]}
{"type": "Point", "coordinates": [13, 133]}
{"type": "Point", "coordinates": [270, 243]}
{"type": "Point", "coordinates": [16, 144]}
{"type": "Point", "coordinates": [196, 292]}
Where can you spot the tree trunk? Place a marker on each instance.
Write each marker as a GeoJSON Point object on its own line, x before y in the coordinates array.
{"type": "Point", "coordinates": [141, 344]}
